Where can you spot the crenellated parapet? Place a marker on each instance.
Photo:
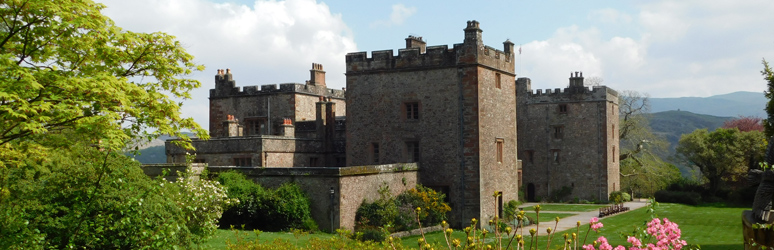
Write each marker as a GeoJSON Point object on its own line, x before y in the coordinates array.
{"type": "Point", "coordinates": [416, 55]}
{"type": "Point", "coordinates": [575, 92]}
{"type": "Point", "coordinates": [225, 86]}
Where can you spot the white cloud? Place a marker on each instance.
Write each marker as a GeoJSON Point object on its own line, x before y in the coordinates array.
{"type": "Point", "coordinates": [399, 15]}
{"type": "Point", "coordinates": [685, 48]}
{"type": "Point", "coordinates": [268, 43]}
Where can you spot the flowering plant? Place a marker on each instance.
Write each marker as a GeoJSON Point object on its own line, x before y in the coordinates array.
{"type": "Point", "coordinates": [665, 232]}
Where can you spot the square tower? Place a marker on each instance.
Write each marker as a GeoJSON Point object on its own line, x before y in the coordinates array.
{"type": "Point", "coordinates": [453, 111]}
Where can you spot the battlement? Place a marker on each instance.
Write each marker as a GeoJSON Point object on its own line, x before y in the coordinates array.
{"type": "Point", "coordinates": [225, 86]}
{"type": "Point", "coordinates": [416, 55]}
{"type": "Point", "coordinates": [268, 89]}
{"type": "Point", "coordinates": [573, 93]}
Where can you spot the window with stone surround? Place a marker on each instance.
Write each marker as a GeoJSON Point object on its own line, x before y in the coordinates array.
{"type": "Point", "coordinates": [243, 161]}
{"type": "Point", "coordinates": [314, 162]}
{"type": "Point", "coordinates": [411, 110]}
{"type": "Point", "coordinates": [497, 81]}
{"type": "Point", "coordinates": [530, 156]}
{"type": "Point", "coordinates": [255, 125]}
{"type": "Point", "coordinates": [558, 133]}
{"type": "Point", "coordinates": [562, 108]}
{"type": "Point", "coordinates": [375, 152]}
{"type": "Point", "coordinates": [614, 156]}
{"type": "Point", "coordinates": [499, 145]}
{"type": "Point", "coordinates": [555, 155]}
{"type": "Point", "coordinates": [412, 151]}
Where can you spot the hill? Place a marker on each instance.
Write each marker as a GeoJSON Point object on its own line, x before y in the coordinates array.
{"type": "Point", "coordinates": [727, 105]}
{"type": "Point", "coordinates": [673, 124]}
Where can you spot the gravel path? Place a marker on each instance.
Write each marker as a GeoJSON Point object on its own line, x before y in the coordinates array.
{"type": "Point", "coordinates": [571, 221]}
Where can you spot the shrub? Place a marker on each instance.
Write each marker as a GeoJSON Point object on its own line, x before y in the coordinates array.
{"type": "Point", "coordinates": [398, 213]}
{"type": "Point", "coordinates": [285, 208]}
{"type": "Point", "coordinates": [511, 209]}
{"type": "Point", "coordinates": [87, 198]}
{"type": "Point", "coordinates": [619, 197]}
{"type": "Point", "coordinates": [688, 198]}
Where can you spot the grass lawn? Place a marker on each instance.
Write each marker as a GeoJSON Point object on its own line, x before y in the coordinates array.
{"type": "Point", "coordinates": [548, 217]}
{"type": "Point", "coordinates": [222, 236]}
{"type": "Point", "coordinates": [711, 227]}
{"type": "Point", "coordinates": [566, 207]}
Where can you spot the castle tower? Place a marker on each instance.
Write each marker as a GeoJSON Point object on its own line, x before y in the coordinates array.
{"type": "Point", "coordinates": [450, 110]}
{"type": "Point", "coordinates": [568, 140]}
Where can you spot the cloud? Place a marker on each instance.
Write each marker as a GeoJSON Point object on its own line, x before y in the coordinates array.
{"type": "Point", "coordinates": [269, 42]}
{"type": "Point", "coordinates": [685, 48]}
{"type": "Point", "coordinates": [399, 15]}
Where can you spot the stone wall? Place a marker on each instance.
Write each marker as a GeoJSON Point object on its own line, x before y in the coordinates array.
{"type": "Point", "coordinates": [335, 193]}
{"type": "Point", "coordinates": [568, 138]}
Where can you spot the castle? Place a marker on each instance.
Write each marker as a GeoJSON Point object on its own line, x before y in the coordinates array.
{"type": "Point", "coordinates": [442, 117]}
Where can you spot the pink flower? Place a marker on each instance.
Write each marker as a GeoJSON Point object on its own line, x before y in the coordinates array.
{"type": "Point", "coordinates": [634, 241]}
{"type": "Point", "coordinates": [620, 248]}
{"type": "Point", "coordinates": [594, 220]}
{"type": "Point", "coordinates": [596, 226]}
{"type": "Point", "coordinates": [605, 246]}
{"type": "Point", "coordinates": [589, 247]}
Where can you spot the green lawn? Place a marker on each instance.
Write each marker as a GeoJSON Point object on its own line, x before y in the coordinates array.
{"type": "Point", "coordinates": [712, 227]}
{"type": "Point", "coordinates": [566, 207]}
{"type": "Point", "coordinates": [222, 236]}
{"type": "Point", "coordinates": [549, 217]}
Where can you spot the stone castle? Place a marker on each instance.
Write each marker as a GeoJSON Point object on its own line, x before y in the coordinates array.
{"type": "Point", "coordinates": [442, 117]}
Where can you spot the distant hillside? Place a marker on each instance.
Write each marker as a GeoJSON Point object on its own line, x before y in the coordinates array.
{"type": "Point", "coordinates": [727, 105]}
{"type": "Point", "coordinates": [151, 155]}
{"type": "Point", "coordinates": [673, 124]}
{"type": "Point", "coordinates": [153, 151]}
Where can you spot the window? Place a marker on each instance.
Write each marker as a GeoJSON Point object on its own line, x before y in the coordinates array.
{"type": "Point", "coordinates": [199, 160]}
{"type": "Point", "coordinates": [614, 156]}
{"type": "Point", "coordinates": [612, 132]}
{"type": "Point", "coordinates": [375, 152]}
{"type": "Point", "coordinates": [558, 132]}
{"type": "Point", "coordinates": [412, 110]}
{"type": "Point", "coordinates": [555, 155]}
{"type": "Point", "coordinates": [243, 161]}
{"type": "Point", "coordinates": [256, 126]}
{"type": "Point", "coordinates": [499, 144]}
{"type": "Point", "coordinates": [314, 162]}
{"type": "Point", "coordinates": [530, 155]}
{"type": "Point", "coordinates": [412, 151]}
{"type": "Point", "coordinates": [499, 204]}
{"type": "Point", "coordinates": [563, 108]}
{"type": "Point", "coordinates": [497, 81]}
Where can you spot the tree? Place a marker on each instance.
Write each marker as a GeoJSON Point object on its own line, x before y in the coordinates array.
{"type": "Point", "coordinates": [722, 155]}
{"type": "Point", "coordinates": [593, 81]}
{"type": "Point", "coordinates": [66, 68]}
{"type": "Point", "coordinates": [745, 123]}
{"type": "Point", "coordinates": [768, 75]}
{"type": "Point", "coordinates": [640, 157]}
{"type": "Point", "coordinates": [74, 90]}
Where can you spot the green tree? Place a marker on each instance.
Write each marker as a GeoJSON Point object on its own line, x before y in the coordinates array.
{"type": "Point", "coordinates": [74, 90]}
{"type": "Point", "coordinates": [66, 68]}
{"type": "Point", "coordinates": [722, 156]}
{"type": "Point", "coordinates": [642, 167]}
{"type": "Point", "coordinates": [768, 75]}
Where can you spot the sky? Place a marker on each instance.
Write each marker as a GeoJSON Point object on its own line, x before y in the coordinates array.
{"type": "Point", "coordinates": [662, 48]}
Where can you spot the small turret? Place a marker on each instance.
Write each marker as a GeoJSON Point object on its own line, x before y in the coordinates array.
{"type": "Point", "coordinates": [576, 81]}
